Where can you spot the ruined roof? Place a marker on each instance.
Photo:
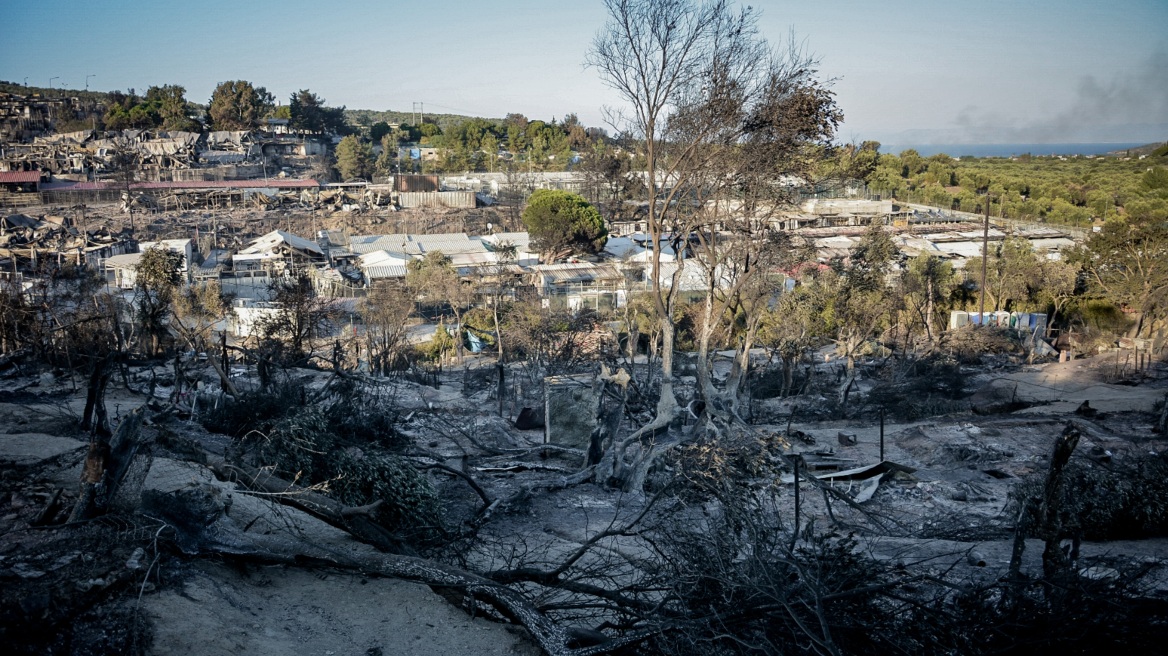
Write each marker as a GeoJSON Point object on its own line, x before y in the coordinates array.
{"type": "Point", "coordinates": [269, 241]}
{"type": "Point", "coordinates": [272, 183]}
{"type": "Point", "coordinates": [692, 278]}
{"type": "Point", "coordinates": [520, 240]}
{"type": "Point", "coordinates": [173, 244]}
{"type": "Point", "coordinates": [19, 221]}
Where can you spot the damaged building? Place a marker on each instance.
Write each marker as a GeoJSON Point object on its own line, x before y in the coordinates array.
{"type": "Point", "coordinates": [26, 241]}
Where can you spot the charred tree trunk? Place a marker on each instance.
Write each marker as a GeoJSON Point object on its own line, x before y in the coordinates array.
{"type": "Point", "coordinates": [93, 418]}
{"type": "Point", "coordinates": [1054, 561]}
{"type": "Point", "coordinates": [1044, 511]}
{"type": "Point", "coordinates": [106, 464]}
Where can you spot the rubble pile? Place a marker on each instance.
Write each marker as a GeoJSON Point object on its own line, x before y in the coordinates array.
{"type": "Point", "coordinates": [54, 236]}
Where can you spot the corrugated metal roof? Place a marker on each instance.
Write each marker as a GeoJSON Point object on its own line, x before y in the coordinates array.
{"type": "Point", "coordinates": [379, 258]}
{"type": "Point", "coordinates": [520, 240]}
{"type": "Point", "coordinates": [18, 177]}
{"type": "Point", "coordinates": [369, 243]}
{"type": "Point", "coordinates": [384, 271]}
{"type": "Point", "coordinates": [581, 272]}
{"type": "Point", "coordinates": [126, 261]}
{"type": "Point", "coordinates": [457, 243]}
{"type": "Point", "coordinates": [465, 259]}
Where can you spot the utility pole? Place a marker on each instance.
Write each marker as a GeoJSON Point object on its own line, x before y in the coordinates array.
{"type": "Point", "coordinates": [985, 241]}
{"type": "Point", "coordinates": [51, 81]}
{"type": "Point", "coordinates": [87, 80]}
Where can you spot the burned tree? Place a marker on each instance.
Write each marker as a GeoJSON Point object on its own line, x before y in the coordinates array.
{"type": "Point", "coordinates": [301, 317]}
{"type": "Point", "coordinates": [721, 117]}
{"type": "Point", "coordinates": [386, 312]}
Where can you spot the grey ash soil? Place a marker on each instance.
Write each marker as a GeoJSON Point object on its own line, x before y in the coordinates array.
{"type": "Point", "coordinates": [114, 585]}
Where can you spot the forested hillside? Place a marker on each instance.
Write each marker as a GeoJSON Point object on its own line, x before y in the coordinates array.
{"type": "Point", "coordinates": [1069, 191]}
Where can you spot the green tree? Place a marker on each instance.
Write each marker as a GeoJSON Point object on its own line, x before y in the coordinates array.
{"type": "Point", "coordinates": [435, 283]}
{"type": "Point", "coordinates": [925, 284]}
{"type": "Point", "coordinates": [1156, 179]}
{"type": "Point", "coordinates": [490, 150]}
{"type": "Point", "coordinates": [578, 138]}
{"type": "Point", "coordinates": [1013, 273]}
{"type": "Point", "coordinates": [387, 160]}
{"type": "Point", "coordinates": [516, 129]}
{"type": "Point", "coordinates": [378, 131]}
{"type": "Point", "coordinates": [128, 110]}
{"type": "Point", "coordinates": [156, 279]}
{"type": "Point", "coordinates": [860, 301]}
{"type": "Point", "coordinates": [172, 108]}
{"type": "Point", "coordinates": [354, 158]}
{"type": "Point", "coordinates": [854, 161]}
{"type": "Point", "coordinates": [792, 325]}
{"type": "Point", "coordinates": [309, 115]}
{"type": "Point", "coordinates": [1126, 262]}
{"type": "Point", "coordinates": [561, 222]}
{"type": "Point", "coordinates": [238, 105]}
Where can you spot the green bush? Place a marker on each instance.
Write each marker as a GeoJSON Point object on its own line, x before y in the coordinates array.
{"type": "Point", "coordinates": [346, 443]}
{"type": "Point", "coordinates": [409, 501]}
{"type": "Point", "coordinates": [439, 345]}
{"type": "Point", "coordinates": [1101, 317]}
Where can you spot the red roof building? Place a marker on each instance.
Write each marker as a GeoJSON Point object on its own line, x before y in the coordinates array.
{"type": "Point", "coordinates": [19, 177]}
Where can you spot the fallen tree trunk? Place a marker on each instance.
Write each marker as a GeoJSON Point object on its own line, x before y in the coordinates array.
{"type": "Point", "coordinates": [202, 526]}
{"type": "Point", "coordinates": [357, 521]}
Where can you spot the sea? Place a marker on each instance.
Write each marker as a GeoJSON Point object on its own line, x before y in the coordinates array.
{"type": "Point", "coordinates": [1009, 150]}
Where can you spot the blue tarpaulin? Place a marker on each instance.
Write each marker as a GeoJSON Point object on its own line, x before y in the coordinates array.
{"type": "Point", "coordinates": [475, 342]}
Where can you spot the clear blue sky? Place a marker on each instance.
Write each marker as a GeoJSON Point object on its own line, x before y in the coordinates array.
{"type": "Point", "coordinates": [907, 71]}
